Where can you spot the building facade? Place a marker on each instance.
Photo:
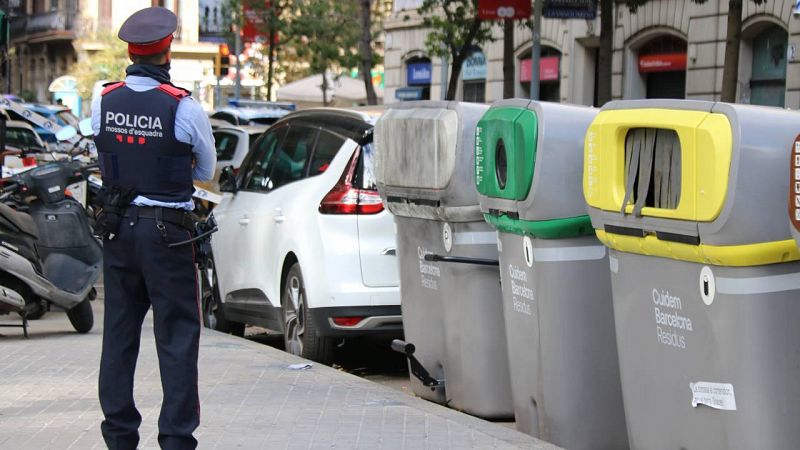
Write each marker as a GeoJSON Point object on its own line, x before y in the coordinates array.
{"type": "Point", "coordinates": [666, 49]}
{"type": "Point", "coordinates": [48, 36]}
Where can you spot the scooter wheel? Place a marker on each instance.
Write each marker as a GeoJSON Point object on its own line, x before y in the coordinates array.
{"type": "Point", "coordinates": [81, 316]}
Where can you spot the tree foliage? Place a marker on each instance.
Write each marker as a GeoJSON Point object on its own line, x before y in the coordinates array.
{"type": "Point", "coordinates": [455, 30]}
{"type": "Point", "coordinates": [108, 63]}
{"type": "Point", "coordinates": [326, 33]}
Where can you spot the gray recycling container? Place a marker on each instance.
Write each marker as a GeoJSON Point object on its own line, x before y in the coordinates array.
{"type": "Point", "coordinates": [690, 197]}
{"type": "Point", "coordinates": [556, 286]}
{"type": "Point", "coordinates": [452, 312]}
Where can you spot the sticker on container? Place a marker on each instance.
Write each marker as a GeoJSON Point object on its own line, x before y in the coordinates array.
{"type": "Point", "coordinates": [53, 189]}
{"type": "Point", "coordinates": [708, 287]}
{"type": "Point", "coordinates": [714, 395]}
{"type": "Point", "coordinates": [527, 250]}
{"type": "Point", "coordinates": [447, 237]}
{"type": "Point", "coordinates": [794, 176]}
{"type": "Point", "coordinates": [613, 264]}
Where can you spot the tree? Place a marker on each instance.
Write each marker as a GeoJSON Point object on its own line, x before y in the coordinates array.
{"type": "Point", "coordinates": [455, 30]}
{"type": "Point", "coordinates": [508, 58]}
{"type": "Point", "coordinates": [733, 37]}
{"type": "Point", "coordinates": [109, 63]}
{"type": "Point", "coordinates": [328, 34]}
{"type": "Point", "coordinates": [365, 46]}
{"type": "Point", "coordinates": [606, 51]}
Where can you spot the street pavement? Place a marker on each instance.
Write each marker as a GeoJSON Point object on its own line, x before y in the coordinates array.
{"type": "Point", "coordinates": [250, 399]}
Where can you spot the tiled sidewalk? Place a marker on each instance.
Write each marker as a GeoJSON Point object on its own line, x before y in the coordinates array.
{"type": "Point", "coordinates": [250, 399]}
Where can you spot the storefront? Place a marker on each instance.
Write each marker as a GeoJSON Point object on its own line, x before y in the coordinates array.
{"type": "Point", "coordinates": [473, 75]}
{"type": "Point", "coordinates": [549, 75]}
{"type": "Point", "coordinates": [662, 65]}
{"type": "Point", "coordinates": [768, 81]}
{"type": "Point", "coordinates": [419, 74]}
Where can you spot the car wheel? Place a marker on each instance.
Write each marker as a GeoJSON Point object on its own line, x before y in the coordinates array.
{"type": "Point", "coordinates": [299, 331]}
{"type": "Point", "coordinates": [213, 309]}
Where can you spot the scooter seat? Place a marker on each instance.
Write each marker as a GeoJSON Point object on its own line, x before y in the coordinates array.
{"type": "Point", "coordinates": [22, 222]}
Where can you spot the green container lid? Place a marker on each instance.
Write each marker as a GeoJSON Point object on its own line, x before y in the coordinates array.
{"type": "Point", "coordinates": [506, 140]}
{"type": "Point", "coordinates": [505, 152]}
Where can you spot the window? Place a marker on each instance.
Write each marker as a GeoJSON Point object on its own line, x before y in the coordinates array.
{"type": "Point", "coordinates": [256, 166]}
{"type": "Point", "coordinates": [328, 145]}
{"type": "Point", "coordinates": [263, 120]}
{"type": "Point", "coordinates": [253, 139]}
{"type": "Point", "coordinates": [768, 82]}
{"type": "Point", "coordinates": [226, 145]}
{"type": "Point", "coordinates": [22, 138]}
{"type": "Point", "coordinates": [475, 91]}
{"type": "Point", "coordinates": [365, 173]}
{"type": "Point", "coordinates": [652, 169]}
{"type": "Point", "coordinates": [289, 162]}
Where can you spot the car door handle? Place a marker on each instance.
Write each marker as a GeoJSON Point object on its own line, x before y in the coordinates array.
{"type": "Point", "coordinates": [244, 221]}
{"type": "Point", "coordinates": [278, 217]}
{"type": "Point", "coordinates": [389, 251]}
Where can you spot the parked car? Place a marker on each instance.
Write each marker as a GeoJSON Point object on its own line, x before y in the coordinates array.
{"type": "Point", "coordinates": [249, 116]}
{"type": "Point", "coordinates": [305, 246]}
{"type": "Point", "coordinates": [60, 114]}
{"type": "Point", "coordinates": [22, 136]}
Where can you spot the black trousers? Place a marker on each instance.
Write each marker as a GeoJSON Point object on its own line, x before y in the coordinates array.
{"type": "Point", "coordinates": [140, 271]}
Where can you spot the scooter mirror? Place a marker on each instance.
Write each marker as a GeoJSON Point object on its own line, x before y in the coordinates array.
{"type": "Point", "coordinates": [85, 126]}
{"type": "Point", "coordinates": [66, 133]}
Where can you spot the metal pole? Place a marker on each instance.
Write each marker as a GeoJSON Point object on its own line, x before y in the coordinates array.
{"type": "Point", "coordinates": [217, 95]}
{"type": "Point", "coordinates": [443, 79]}
{"type": "Point", "coordinates": [536, 51]}
{"type": "Point", "coordinates": [238, 48]}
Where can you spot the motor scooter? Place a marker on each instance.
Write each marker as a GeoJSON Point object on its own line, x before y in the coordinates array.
{"type": "Point", "coordinates": [48, 252]}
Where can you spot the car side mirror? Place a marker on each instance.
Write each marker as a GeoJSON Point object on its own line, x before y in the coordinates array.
{"type": "Point", "coordinates": [227, 180]}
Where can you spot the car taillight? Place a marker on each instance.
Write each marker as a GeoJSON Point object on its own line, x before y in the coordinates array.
{"type": "Point", "coordinates": [344, 198]}
{"type": "Point", "coordinates": [347, 321]}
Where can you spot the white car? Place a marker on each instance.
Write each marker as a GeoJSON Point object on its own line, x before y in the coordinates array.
{"type": "Point", "coordinates": [304, 245]}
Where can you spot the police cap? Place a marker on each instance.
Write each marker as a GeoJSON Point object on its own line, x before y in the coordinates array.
{"type": "Point", "coordinates": [149, 31]}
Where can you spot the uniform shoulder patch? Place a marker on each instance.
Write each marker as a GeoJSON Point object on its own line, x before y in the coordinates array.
{"type": "Point", "coordinates": [174, 91]}
{"type": "Point", "coordinates": [108, 87]}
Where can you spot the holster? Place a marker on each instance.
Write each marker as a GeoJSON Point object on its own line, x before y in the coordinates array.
{"type": "Point", "coordinates": [113, 201]}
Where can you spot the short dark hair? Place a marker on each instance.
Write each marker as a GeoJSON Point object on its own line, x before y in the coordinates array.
{"type": "Point", "coordinates": [154, 59]}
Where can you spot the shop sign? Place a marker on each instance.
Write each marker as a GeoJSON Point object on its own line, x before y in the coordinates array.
{"type": "Point", "coordinates": [408, 93]}
{"type": "Point", "coordinates": [504, 9]}
{"type": "Point", "coordinates": [548, 69]}
{"type": "Point", "coordinates": [474, 67]}
{"type": "Point", "coordinates": [664, 62]}
{"type": "Point", "coordinates": [419, 73]}
{"type": "Point", "coordinates": [570, 9]}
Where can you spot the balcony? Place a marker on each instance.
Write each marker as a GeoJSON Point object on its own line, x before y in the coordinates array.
{"type": "Point", "coordinates": [44, 27]}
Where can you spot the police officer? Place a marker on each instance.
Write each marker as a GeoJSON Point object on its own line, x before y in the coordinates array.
{"type": "Point", "coordinates": [152, 140]}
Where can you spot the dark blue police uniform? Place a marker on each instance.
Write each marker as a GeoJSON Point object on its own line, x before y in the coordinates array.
{"type": "Point", "coordinates": [138, 149]}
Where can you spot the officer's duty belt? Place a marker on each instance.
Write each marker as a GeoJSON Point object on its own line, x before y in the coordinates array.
{"type": "Point", "coordinates": [177, 217]}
